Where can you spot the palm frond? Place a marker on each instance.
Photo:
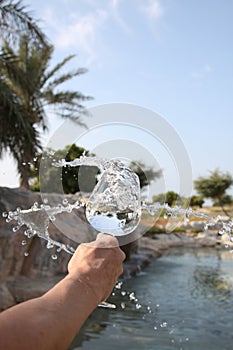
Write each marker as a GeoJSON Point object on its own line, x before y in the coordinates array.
{"type": "Point", "coordinates": [64, 77]}
{"type": "Point", "coordinates": [55, 69]}
{"type": "Point", "coordinates": [16, 20]}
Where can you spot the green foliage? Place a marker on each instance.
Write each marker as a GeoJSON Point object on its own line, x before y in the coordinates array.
{"type": "Point", "coordinates": [197, 201]}
{"type": "Point", "coordinates": [27, 85]}
{"type": "Point", "coordinates": [225, 200]}
{"type": "Point", "coordinates": [160, 198]}
{"type": "Point", "coordinates": [214, 186]}
{"type": "Point", "coordinates": [16, 20]}
{"type": "Point", "coordinates": [146, 174]}
{"type": "Point", "coordinates": [156, 229]}
{"type": "Point", "coordinates": [169, 197]}
{"type": "Point", "coordinates": [74, 179]}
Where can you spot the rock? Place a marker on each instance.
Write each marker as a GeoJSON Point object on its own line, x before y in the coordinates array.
{"type": "Point", "coordinates": [137, 262]}
{"type": "Point", "coordinates": [38, 264]}
{"type": "Point", "coordinates": [23, 288]}
{"type": "Point", "coordinates": [6, 298]}
{"type": "Point", "coordinates": [148, 244]}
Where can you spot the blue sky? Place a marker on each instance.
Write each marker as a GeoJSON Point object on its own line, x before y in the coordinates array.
{"type": "Point", "coordinates": [172, 56]}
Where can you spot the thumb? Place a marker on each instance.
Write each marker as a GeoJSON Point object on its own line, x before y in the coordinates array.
{"type": "Point", "coordinates": [103, 235]}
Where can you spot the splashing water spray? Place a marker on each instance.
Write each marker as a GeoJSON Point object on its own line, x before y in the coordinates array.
{"type": "Point", "coordinates": [115, 205]}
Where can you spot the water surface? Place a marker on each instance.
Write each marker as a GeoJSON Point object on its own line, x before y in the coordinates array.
{"type": "Point", "coordinates": [185, 301]}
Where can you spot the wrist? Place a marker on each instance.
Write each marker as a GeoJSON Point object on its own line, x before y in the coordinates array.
{"type": "Point", "coordinates": [81, 284]}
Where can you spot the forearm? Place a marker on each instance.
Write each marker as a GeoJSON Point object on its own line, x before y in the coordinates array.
{"type": "Point", "coordinates": [49, 322]}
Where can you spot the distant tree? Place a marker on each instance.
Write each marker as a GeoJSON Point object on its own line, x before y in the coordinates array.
{"type": "Point", "coordinates": [74, 179]}
{"type": "Point", "coordinates": [214, 187]}
{"type": "Point", "coordinates": [196, 201]}
{"type": "Point", "coordinates": [160, 198]}
{"type": "Point", "coordinates": [226, 200]}
{"type": "Point", "coordinates": [146, 174]}
{"type": "Point", "coordinates": [169, 197]}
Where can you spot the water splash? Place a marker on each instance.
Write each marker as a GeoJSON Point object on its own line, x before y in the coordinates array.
{"type": "Point", "coordinates": [37, 220]}
{"type": "Point", "coordinates": [114, 206]}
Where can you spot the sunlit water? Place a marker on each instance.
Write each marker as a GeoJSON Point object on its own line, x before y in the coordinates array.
{"type": "Point", "coordinates": [189, 294]}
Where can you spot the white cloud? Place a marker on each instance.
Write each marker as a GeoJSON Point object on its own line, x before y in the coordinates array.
{"type": "Point", "coordinates": [79, 33]}
{"type": "Point", "coordinates": [116, 15]}
{"type": "Point", "coordinates": [154, 9]}
{"type": "Point", "coordinates": [82, 30]}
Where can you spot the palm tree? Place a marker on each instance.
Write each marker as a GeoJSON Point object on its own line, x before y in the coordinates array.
{"type": "Point", "coordinates": [15, 20]}
{"type": "Point", "coordinates": [27, 79]}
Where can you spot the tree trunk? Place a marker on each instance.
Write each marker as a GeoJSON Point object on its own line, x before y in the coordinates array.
{"type": "Point", "coordinates": [223, 209]}
{"type": "Point", "coordinates": [24, 183]}
{"type": "Point", "coordinates": [25, 172]}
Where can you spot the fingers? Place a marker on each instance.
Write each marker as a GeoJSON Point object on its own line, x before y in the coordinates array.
{"type": "Point", "coordinates": [104, 240]}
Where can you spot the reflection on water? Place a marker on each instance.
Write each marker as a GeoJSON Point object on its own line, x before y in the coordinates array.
{"type": "Point", "coordinates": [182, 301]}
{"type": "Point", "coordinates": [212, 282]}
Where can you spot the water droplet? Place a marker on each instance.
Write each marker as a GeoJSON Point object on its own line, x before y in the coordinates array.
{"type": "Point", "coordinates": [15, 229]}
{"type": "Point", "coordinates": [35, 206]}
{"type": "Point", "coordinates": [24, 242]}
{"type": "Point", "coordinates": [138, 306]}
{"type": "Point", "coordinates": [49, 245]}
{"type": "Point", "coordinates": [155, 328]}
{"type": "Point", "coordinates": [26, 254]}
{"type": "Point", "coordinates": [163, 325]}
{"type": "Point", "coordinates": [65, 201]}
{"type": "Point", "coordinates": [54, 257]}
{"type": "Point", "coordinates": [123, 305]}
{"type": "Point", "coordinates": [123, 293]}
{"type": "Point", "coordinates": [132, 296]}
{"type": "Point", "coordinates": [118, 285]}
{"type": "Point", "coordinates": [5, 214]}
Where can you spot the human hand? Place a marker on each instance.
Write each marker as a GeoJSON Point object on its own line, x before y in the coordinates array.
{"type": "Point", "coordinates": [98, 265]}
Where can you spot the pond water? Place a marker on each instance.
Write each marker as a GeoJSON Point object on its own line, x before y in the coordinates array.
{"type": "Point", "coordinates": [185, 301]}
